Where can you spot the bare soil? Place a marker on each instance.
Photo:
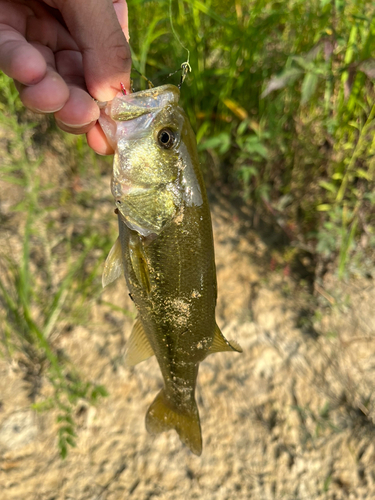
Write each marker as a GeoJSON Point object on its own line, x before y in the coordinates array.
{"type": "Point", "coordinates": [290, 418]}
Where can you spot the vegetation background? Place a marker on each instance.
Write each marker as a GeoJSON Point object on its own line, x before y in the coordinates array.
{"type": "Point", "coordinates": [281, 97]}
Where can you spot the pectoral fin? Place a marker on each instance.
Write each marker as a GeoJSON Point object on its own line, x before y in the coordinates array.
{"type": "Point", "coordinates": [113, 265]}
{"type": "Point", "coordinates": [138, 347]}
{"type": "Point", "coordinates": [139, 263]}
{"type": "Point", "coordinates": [220, 343]}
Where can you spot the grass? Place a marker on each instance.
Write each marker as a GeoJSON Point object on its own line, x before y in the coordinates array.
{"type": "Point", "coordinates": [281, 97]}
{"type": "Point", "coordinates": [53, 249]}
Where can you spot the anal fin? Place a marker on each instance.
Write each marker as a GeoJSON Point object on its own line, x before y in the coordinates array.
{"type": "Point", "coordinates": [113, 265]}
{"type": "Point", "coordinates": [221, 344]}
{"type": "Point", "coordinates": [138, 347]}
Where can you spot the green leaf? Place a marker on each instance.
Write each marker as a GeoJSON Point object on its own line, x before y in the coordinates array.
{"type": "Point", "coordinates": [355, 125]}
{"type": "Point", "coordinates": [242, 127]}
{"type": "Point", "coordinates": [328, 186]}
{"type": "Point", "coordinates": [209, 12]}
{"type": "Point", "coordinates": [222, 142]}
{"type": "Point", "coordinates": [63, 448]}
{"type": "Point", "coordinates": [98, 391]}
{"type": "Point", "coordinates": [309, 84]}
{"type": "Point", "coordinates": [363, 174]}
{"type": "Point", "coordinates": [337, 176]}
{"type": "Point", "coordinates": [65, 418]}
{"type": "Point", "coordinates": [256, 147]}
{"type": "Point", "coordinates": [247, 173]}
{"type": "Point", "coordinates": [324, 207]}
{"type": "Point", "coordinates": [70, 441]}
{"type": "Point", "coordinates": [202, 130]}
{"type": "Point", "coordinates": [48, 404]}
{"type": "Point", "coordinates": [370, 197]}
{"type": "Point", "coordinates": [67, 429]}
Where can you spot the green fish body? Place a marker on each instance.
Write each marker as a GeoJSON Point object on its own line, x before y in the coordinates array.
{"type": "Point", "coordinates": [165, 249]}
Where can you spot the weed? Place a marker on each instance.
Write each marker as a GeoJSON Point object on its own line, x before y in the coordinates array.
{"type": "Point", "coordinates": [47, 270]}
{"type": "Point", "coordinates": [281, 96]}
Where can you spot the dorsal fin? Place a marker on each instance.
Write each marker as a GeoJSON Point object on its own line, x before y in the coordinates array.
{"type": "Point", "coordinates": [138, 347]}
{"type": "Point", "coordinates": [113, 265]}
{"type": "Point", "coordinates": [221, 344]}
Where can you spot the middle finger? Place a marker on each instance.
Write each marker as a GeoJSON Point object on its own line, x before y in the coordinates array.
{"type": "Point", "coordinates": [81, 111]}
{"type": "Point", "coordinates": [51, 93]}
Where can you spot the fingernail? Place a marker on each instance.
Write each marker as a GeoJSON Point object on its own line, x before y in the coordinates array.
{"type": "Point", "coordinates": [74, 125]}
{"type": "Point", "coordinates": [45, 111]}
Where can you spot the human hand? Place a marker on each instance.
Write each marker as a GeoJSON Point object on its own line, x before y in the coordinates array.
{"type": "Point", "coordinates": [59, 52]}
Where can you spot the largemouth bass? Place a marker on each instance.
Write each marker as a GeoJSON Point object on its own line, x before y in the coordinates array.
{"type": "Point", "coordinates": [165, 249]}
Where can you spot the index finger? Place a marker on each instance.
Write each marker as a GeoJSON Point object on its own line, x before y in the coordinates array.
{"type": "Point", "coordinates": [18, 59]}
{"type": "Point", "coordinates": [106, 53]}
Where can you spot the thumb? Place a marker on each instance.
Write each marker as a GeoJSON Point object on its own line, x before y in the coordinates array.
{"type": "Point", "coordinates": [97, 28]}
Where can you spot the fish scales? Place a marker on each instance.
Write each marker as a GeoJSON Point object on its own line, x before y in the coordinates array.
{"type": "Point", "coordinates": [165, 250]}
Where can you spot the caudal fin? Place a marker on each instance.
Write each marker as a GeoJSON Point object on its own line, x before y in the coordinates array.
{"type": "Point", "coordinates": [161, 417]}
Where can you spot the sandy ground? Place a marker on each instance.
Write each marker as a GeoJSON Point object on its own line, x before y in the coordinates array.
{"type": "Point", "coordinates": [290, 418]}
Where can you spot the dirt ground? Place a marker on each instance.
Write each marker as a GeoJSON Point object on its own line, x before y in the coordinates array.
{"type": "Point", "coordinates": [290, 418]}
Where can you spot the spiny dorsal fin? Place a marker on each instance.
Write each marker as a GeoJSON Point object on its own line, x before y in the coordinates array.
{"type": "Point", "coordinates": [113, 265]}
{"type": "Point", "coordinates": [220, 343]}
{"type": "Point", "coordinates": [138, 347]}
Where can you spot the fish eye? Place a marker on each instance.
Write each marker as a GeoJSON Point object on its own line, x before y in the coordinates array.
{"type": "Point", "coordinates": [166, 138]}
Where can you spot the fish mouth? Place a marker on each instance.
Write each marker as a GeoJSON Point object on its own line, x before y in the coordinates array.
{"type": "Point", "coordinates": [128, 115]}
{"type": "Point", "coordinates": [131, 106]}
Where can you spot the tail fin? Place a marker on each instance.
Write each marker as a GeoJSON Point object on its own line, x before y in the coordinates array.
{"type": "Point", "coordinates": [161, 417]}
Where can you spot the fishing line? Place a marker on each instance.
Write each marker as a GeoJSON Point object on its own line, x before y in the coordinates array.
{"type": "Point", "coordinates": [185, 66]}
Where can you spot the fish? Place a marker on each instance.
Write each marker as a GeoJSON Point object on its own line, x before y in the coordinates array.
{"type": "Point", "coordinates": [165, 249]}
